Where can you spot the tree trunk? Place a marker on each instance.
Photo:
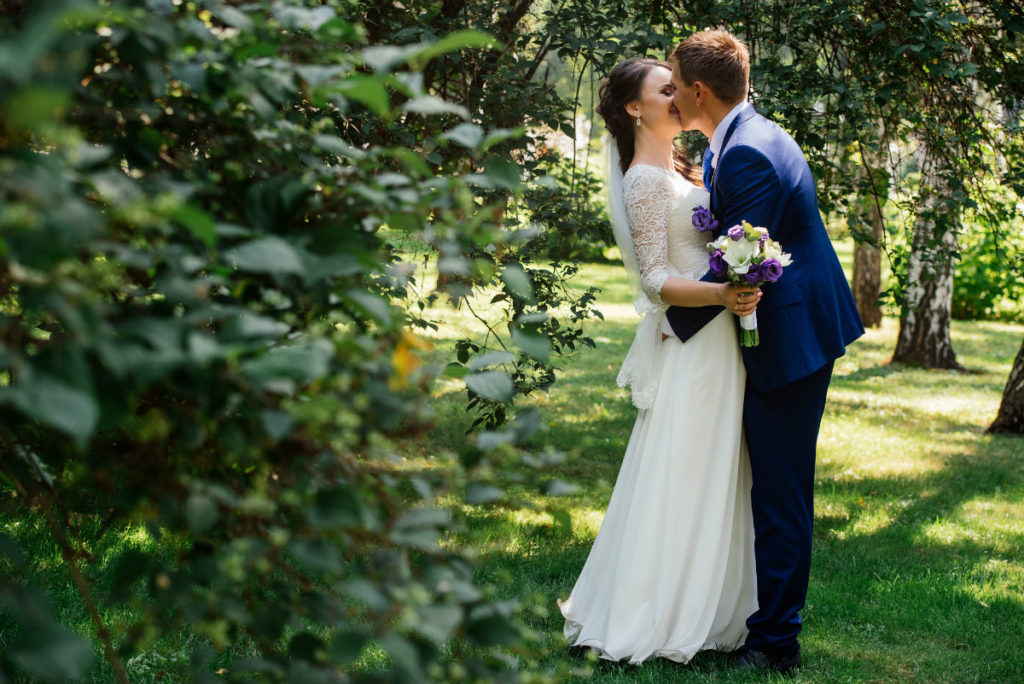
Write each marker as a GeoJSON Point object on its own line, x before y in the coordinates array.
{"type": "Point", "coordinates": [1011, 409]}
{"type": "Point", "coordinates": [865, 223]}
{"type": "Point", "coordinates": [928, 298]}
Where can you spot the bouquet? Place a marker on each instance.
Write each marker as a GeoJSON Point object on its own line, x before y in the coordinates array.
{"type": "Point", "coordinates": [745, 255]}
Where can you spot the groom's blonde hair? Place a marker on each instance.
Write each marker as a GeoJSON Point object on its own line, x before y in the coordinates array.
{"type": "Point", "coordinates": [717, 59]}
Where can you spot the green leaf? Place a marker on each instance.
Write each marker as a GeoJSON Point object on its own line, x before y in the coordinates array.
{"type": "Point", "coordinates": [270, 620]}
{"type": "Point", "coordinates": [386, 57]}
{"type": "Point", "coordinates": [277, 424]}
{"type": "Point", "coordinates": [367, 593]}
{"type": "Point", "coordinates": [467, 135]}
{"type": "Point", "coordinates": [201, 512]}
{"type": "Point", "coordinates": [128, 569]}
{"type": "Point", "coordinates": [316, 75]}
{"type": "Point", "coordinates": [383, 58]}
{"type": "Point", "coordinates": [370, 305]}
{"type": "Point", "coordinates": [11, 552]}
{"type": "Point", "coordinates": [459, 40]}
{"type": "Point", "coordinates": [500, 134]}
{"type": "Point", "coordinates": [266, 255]}
{"type": "Point", "coordinates": [232, 17]}
{"type": "Point", "coordinates": [335, 507]}
{"type": "Point", "coordinates": [51, 402]}
{"type": "Point", "coordinates": [455, 370]}
{"type": "Point", "coordinates": [493, 385]}
{"type": "Point", "coordinates": [281, 368]}
{"type": "Point", "coordinates": [316, 555]}
{"type": "Point", "coordinates": [504, 173]}
{"type": "Point", "coordinates": [420, 528]}
{"type": "Point", "coordinates": [35, 108]}
{"type": "Point", "coordinates": [52, 653]}
{"type": "Point", "coordinates": [479, 493]}
{"type": "Point", "coordinates": [425, 517]}
{"type": "Point", "coordinates": [518, 282]}
{"type": "Point", "coordinates": [405, 658]}
{"type": "Point", "coordinates": [534, 344]}
{"type": "Point", "coordinates": [438, 622]}
{"type": "Point", "coordinates": [246, 326]}
{"type": "Point", "coordinates": [304, 646]}
{"type": "Point", "coordinates": [294, 17]}
{"type": "Point", "coordinates": [368, 90]}
{"type": "Point", "coordinates": [430, 104]}
{"type": "Point", "coordinates": [968, 69]}
{"type": "Point", "coordinates": [492, 630]}
{"type": "Point", "coordinates": [556, 487]}
{"type": "Point", "coordinates": [335, 145]}
{"type": "Point", "coordinates": [346, 646]}
{"type": "Point", "coordinates": [494, 358]}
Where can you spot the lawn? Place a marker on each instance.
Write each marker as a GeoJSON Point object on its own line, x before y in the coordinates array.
{"type": "Point", "coordinates": [918, 567]}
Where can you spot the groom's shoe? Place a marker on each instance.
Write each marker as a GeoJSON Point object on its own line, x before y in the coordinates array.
{"type": "Point", "coordinates": [748, 658]}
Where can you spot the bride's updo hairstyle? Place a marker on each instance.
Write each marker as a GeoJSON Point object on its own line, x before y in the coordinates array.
{"type": "Point", "coordinates": [622, 86]}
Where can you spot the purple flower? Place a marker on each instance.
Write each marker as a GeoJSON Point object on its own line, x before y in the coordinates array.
{"type": "Point", "coordinates": [737, 233]}
{"type": "Point", "coordinates": [755, 276]}
{"type": "Point", "coordinates": [764, 238]}
{"type": "Point", "coordinates": [704, 220]}
{"type": "Point", "coordinates": [718, 265]}
{"type": "Point", "coordinates": [771, 270]}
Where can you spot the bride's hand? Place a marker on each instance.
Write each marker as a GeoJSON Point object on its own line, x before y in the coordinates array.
{"type": "Point", "coordinates": [740, 300]}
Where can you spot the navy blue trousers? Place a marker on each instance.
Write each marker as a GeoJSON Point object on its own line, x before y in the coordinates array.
{"type": "Point", "coordinates": [782, 434]}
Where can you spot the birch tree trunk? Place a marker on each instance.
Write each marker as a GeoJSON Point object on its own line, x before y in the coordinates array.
{"type": "Point", "coordinates": [1011, 409]}
{"type": "Point", "coordinates": [865, 222]}
{"type": "Point", "coordinates": [928, 300]}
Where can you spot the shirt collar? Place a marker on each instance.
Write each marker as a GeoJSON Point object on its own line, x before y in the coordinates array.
{"type": "Point", "coordinates": [718, 137]}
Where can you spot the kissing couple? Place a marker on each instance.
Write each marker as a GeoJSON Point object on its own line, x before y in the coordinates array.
{"type": "Point", "coordinates": [706, 543]}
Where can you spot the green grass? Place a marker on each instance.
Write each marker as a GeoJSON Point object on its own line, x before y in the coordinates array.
{"type": "Point", "coordinates": [918, 567]}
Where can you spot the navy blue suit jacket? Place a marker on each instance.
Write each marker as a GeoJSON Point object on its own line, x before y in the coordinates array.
{"type": "Point", "coordinates": [807, 318]}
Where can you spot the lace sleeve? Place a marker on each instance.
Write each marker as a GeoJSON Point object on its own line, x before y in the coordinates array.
{"type": "Point", "coordinates": [649, 194]}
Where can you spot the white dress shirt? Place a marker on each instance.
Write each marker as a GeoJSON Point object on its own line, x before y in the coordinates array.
{"type": "Point", "coordinates": [718, 137]}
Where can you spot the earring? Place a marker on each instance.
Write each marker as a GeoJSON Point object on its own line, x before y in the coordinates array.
{"type": "Point", "coordinates": [638, 121]}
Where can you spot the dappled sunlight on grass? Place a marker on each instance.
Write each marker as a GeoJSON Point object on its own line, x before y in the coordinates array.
{"type": "Point", "coordinates": [919, 515]}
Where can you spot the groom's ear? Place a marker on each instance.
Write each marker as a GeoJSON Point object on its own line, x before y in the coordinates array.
{"type": "Point", "coordinates": [703, 94]}
{"type": "Point", "coordinates": [700, 92]}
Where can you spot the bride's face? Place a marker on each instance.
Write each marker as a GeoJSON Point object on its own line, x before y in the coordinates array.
{"type": "Point", "coordinates": [655, 106]}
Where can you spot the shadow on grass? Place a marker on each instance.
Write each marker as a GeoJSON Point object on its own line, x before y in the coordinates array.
{"type": "Point", "coordinates": [918, 569]}
{"type": "Point", "coordinates": [909, 583]}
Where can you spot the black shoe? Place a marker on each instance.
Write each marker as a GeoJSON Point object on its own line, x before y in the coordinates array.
{"type": "Point", "coordinates": [748, 658]}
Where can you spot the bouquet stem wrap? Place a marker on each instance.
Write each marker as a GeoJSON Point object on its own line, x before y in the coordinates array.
{"type": "Point", "coordinates": [748, 331]}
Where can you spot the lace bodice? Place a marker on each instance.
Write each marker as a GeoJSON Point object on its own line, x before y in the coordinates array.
{"type": "Point", "coordinates": [659, 208]}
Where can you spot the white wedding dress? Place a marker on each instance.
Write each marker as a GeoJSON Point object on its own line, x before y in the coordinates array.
{"type": "Point", "coordinates": [671, 571]}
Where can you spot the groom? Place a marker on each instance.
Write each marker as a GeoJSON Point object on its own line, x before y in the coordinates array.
{"type": "Point", "coordinates": [757, 173]}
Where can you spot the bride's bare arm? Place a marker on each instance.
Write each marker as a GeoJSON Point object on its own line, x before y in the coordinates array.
{"type": "Point", "coordinates": [681, 292]}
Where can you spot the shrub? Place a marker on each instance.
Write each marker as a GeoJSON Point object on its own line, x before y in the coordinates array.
{"type": "Point", "coordinates": [199, 346]}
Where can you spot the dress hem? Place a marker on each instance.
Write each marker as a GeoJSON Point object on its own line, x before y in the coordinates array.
{"type": "Point", "coordinates": [682, 655]}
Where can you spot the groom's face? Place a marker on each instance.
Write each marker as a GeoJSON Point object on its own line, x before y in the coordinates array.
{"type": "Point", "coordinates": [685, 99]}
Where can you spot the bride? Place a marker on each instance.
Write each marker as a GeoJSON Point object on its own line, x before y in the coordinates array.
{"type": "Point", "coordinates": [671, 571]}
